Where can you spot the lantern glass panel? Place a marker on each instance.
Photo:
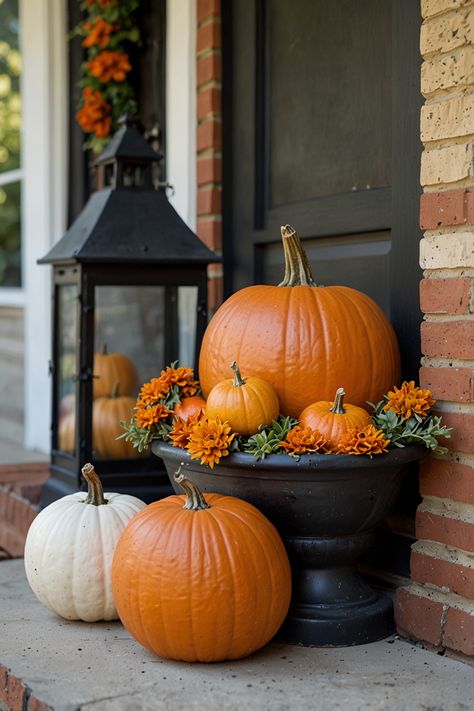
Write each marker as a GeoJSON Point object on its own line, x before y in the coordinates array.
{"type": "Point", "coordinates": [67, 315]}
{"type": "Point", "coordinates": [139, 330]}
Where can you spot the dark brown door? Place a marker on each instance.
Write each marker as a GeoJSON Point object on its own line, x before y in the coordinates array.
{"type": "Point", "coordinates": [321, 128]}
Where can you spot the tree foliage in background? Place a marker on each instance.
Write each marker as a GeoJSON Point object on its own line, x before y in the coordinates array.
{"type": "Point", "coordinates": [10, 125]}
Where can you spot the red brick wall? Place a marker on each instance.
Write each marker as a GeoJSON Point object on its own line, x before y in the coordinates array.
{"type": "Point", "coordinates": [438, 607]}
{"type": "Point", "coordinates": [209, 138]}
{"type": "Point", "coordinates": [20, 487]}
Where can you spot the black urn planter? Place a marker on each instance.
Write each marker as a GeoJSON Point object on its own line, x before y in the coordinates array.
{"type": "Point", "coordinates": [326, 509]}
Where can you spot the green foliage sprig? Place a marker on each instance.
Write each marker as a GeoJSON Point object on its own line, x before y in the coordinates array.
{"type": "Point", "coordinates": [415, 429]}
{"type": "Point", "coordinates": [268, 439]}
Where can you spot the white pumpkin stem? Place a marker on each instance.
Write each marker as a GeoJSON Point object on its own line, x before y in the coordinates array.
{"type": "Point", "coordinates": [238, 379]}
{"type": "Point", "coordinates": [338, 407]}
{"type": "Point", "coordinates": [195, 500]}
{"type": "Point", "coordinates": [297, 269]}
{"type": "Point", "coordinates": [95, 492]}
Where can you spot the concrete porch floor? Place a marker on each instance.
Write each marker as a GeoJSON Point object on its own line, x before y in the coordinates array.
{"type": "Point", "coordinates": [98, 667]}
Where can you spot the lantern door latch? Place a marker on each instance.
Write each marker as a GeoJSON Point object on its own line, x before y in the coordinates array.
{"type": "Point", "coordinates": [83, 376]}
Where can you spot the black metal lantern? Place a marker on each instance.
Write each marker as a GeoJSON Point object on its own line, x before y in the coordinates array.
{"type": "Point", "coordinates": [130, 294]}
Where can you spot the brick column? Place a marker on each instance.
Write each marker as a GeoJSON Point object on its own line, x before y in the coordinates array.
{"type": "Point", "coordinates": [438, 607]}
{"type": "Point", "coordinates": [209, 138]}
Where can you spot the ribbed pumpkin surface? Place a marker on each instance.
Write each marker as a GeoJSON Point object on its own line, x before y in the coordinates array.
{"type": "Point", "coordinates": [244, 407]}
{"type": "Point", "coordinates": [319, 417]}
{"type": "Point", "coordinates": [113, 370]}
{"type": "Point", "coordinates": [306, 341]}
{"type": "Point", "coordinates": [107, 413]}
{"type": "Point", "coordinates": [201, 585]}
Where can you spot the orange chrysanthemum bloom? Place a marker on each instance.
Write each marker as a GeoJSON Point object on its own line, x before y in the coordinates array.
{"type": "Point", "coordinates": [409, 400]}
{"type": "Point", "coordinates": [94, 116]}
{"type": "Point", "coordinates": [302, 440]}
{"type": "Point", "coordinates": [369, 440]}
{"type": "Point", "coordinates": [209, 440]}
{"type": "Point", "coordinates": [183, 377]}
{"type": "Point", "coordinates": [153, 391]}
{"type": "Point", "coordinates": [98, 33]}
{"type": "Point", "coordinates": [110, 66]}
{"type": "Point", "coordinates": [148, 416]}
{"type": "Point", "coordinates": [182, 429]}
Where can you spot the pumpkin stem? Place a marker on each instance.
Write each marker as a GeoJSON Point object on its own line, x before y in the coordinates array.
{"type": "Point", "coordinates": [103, 349]}
{"type": "Point", "coordinates": [297, 269]}
{"type": "Point", "coordinates": [115, 390]}
{"type": "Point", "coordinates": [195, 500]}
{"type": "Point", "coordinates": [95, 492]}
{"type": "Point", "coordinates": [338, 407]}
{"type": "Point", "coordinates": [238, 379]}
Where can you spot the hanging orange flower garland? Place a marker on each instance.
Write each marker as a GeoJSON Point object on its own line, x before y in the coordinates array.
{"type": "Point", "coordinates": [108, 33]}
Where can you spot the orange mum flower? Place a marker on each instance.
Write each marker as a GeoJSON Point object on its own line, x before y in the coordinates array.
{"type": "Point", "coordinates": [302, 440]}
{"type": "Point", "coordinates": [94, 116]}
{"type": "Point", "coordinates": [153, 391]}
{"type": "Point", "coordinates": [110, 66]}
{"type": "Point", "coordinates": [369, 440]}
{"type": "Point", "coordinates": [409, 400]}
{"type": "Point", "coordinates": [98, 33]}
{"type": "Point", "coordinates": [209, 440]}
{"type": "Point", "coordinates": [183, 378]}
{"type": "Point", "coordinates": [148, 416]}
{"type": "Point", "coordinates": [181, 430]}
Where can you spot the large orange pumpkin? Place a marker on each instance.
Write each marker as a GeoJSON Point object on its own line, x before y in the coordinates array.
{"type": "Point", "coordinates": [112, 368]}
{"type": "Point", "coordinates": [199, 579]}
{"type": "Point", "coordinates": [244, 403]}
{"type": "Point", "coordinates": [333, 419]}
{"type": "Point", "coordinates": [303, 339]}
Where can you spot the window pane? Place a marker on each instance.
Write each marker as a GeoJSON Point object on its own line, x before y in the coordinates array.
{"type": "Point", "coordinates": [10, 101]}
{"type": "Point", "coordinates": [10, 234]}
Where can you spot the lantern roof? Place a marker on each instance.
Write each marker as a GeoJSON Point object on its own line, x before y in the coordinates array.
{"type": "Point", "coordinates": [129, 226]}
{"type": "Point", "coordinates": [128, 143]}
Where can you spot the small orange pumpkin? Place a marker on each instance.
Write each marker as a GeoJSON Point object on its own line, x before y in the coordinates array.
{"type": "Point", "coordinates": [112, 368]}
{"type": "Point", "coordinates": [244, 403]}
{"type": "Point", "coordinates": [67, 432]}
{"type": "Point", "coordinates": [189, 407]}
{"type": "Point", "coordinates": [201, 579]}
{"type": "Point", "coordinates": [107, 412]}
{"type": "Point", "coordinates": [333, 419]}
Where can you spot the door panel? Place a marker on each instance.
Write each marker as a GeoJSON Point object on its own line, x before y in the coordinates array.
{"type": "Point", "coordinates": [329, 111]}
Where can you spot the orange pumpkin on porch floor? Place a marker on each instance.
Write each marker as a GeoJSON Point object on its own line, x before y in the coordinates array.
{"type": "Point", "coordinates": [303, 339]}
{"type": "Point", "coordinates": [201, 579]}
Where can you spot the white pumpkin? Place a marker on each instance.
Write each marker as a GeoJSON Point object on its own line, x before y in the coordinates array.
{"type": "Point", "coordinates": [69, 550]}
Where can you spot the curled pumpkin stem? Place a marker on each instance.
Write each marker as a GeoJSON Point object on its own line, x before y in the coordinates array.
{"type": "Point", "coordinates": [297, 268]}
{"type": "Point", "coordinates": [95, 492]}
{"type": "Point", "coordinates": [238, 379]}
{"type": "Point", "coordinates": [338, 407]}
{"type": "Point", "coordinates": [195, 500]}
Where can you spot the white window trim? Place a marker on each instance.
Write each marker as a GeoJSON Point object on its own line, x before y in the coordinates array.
{"type": "Point", "coordinates": [44, 197]}
{"type": "Point", "coordinates": [181, 119]}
